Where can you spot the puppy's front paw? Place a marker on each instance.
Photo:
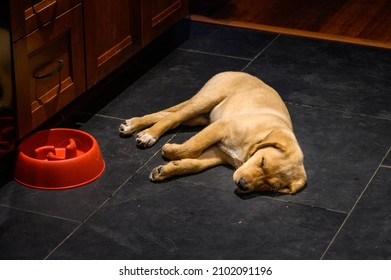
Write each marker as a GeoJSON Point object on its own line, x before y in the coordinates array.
{"type": "Point", "coordinates": [145, 140]}
{"type": "Point", "coordinates": [157, 174]}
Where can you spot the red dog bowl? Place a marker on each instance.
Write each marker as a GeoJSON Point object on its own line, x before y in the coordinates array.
{"type": "Point", "coordinates": [58, 159]}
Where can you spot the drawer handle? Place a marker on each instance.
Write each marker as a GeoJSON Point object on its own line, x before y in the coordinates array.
{"type": "Point", "coordinates": [51, 73]}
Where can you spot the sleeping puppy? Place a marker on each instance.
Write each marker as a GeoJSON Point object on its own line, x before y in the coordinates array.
{"type": "Point", "coordinates": [247, 125]}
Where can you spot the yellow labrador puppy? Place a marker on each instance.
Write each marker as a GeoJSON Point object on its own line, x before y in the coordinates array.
{"type": "Point", "coordinates": [247, 126]}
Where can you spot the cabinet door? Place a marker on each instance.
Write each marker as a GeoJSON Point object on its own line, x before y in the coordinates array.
{"type": "Point", "coordinates": [49, 69]}
{"type": "Point", "coordinates": [112, 35]}
{"type": "Point", "coordinates": [159, 15]}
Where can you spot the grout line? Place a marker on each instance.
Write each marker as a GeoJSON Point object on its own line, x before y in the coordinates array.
{"type": "Point", "coordinates": [62, 242]}
{"type": "Point", "coordinates": [349, 214]}
{"type": "Point", "coordinates": [383, 165]}
{"type": "Point", "coordinates": [214, 54]}
{"type": "Point", "coordinates": [337, 111]}
{"type": "Point", "coordinates": [109, 117]}
{"type": "Point", "coordinates": [307, 205]}
{"type": "Point", "coordinates": [261, 52]}
{"type": "Point", "coordinates": [39, 213]}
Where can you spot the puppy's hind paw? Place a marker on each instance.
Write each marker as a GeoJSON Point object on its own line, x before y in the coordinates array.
{"type": "Point", "coordinates": [126, 128]}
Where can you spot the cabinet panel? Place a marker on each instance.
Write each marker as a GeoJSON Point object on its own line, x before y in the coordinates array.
{"type": "Point", "coordinates": [158, 16]}
{"type": "Point", "coordinates": [28, 15]}
{"type": "Point", "coordinates": [112, 35]}
{"type": "Point", "coordinates": [49, 69]}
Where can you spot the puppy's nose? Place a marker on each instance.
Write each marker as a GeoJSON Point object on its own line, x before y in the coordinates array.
{"type": "Point", "coordinates": [242, 184]}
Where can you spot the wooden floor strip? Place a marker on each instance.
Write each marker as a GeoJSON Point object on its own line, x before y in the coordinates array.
{"type": "Point", "coordinates": [364, 22]}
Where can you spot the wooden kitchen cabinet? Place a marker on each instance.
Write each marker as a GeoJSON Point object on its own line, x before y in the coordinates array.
{"type": "Point", "coordinates": [62, 48]}
{"type": "Point", "coordinates": [48, 69]}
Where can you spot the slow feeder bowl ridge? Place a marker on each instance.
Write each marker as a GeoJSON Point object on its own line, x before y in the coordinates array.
{"type": "Point", "coordinates": [58, 158]}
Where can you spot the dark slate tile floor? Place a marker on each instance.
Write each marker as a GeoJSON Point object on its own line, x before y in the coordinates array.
{"type": "Point", "coordinates": [339, 98]}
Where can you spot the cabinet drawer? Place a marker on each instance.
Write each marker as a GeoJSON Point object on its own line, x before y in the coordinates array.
{"type": "Point", "coordinates": [49, 69]}
{"type": "Point", "coordinates": [28, 15]}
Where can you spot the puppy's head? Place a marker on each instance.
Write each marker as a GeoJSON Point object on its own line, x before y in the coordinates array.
{"type": "Point", "coordinates": [274, 164]}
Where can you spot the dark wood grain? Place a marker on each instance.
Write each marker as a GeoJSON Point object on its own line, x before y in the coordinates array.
{"type": "Point", "coordinates": [358, 21]}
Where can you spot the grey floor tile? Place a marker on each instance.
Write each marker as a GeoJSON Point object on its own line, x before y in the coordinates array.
{"type": "Point", "coordinates": [366, 233]}
{"type": "Point", "coordinates": [26, 235]}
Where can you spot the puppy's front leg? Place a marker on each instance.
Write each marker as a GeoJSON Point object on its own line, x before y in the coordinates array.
{"type": "Point", "coordinates": [210, 158]}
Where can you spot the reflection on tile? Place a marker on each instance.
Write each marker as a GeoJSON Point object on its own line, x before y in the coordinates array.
{"type": "Point", "coordinates": [227, 41]}
{"type": "Point", "coordinates": [178, 77]}
{"type": "Point", "coordinates": [331, 75]}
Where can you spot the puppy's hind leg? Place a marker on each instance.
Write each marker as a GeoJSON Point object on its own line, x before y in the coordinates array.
{"type": "Point", "coordinates": [136, 124]}
{"type": "Point", "coordinates": [211, 94]}
{"type": "Point", "coordinates": [194, 113]}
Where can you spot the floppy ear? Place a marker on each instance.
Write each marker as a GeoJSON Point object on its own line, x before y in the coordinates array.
{"type": "Point", "coordinates": [297, 184]}
{"type": "Point", "coordinates": [293, 187]}
{"type": "Point", "coordinates": [278, 139]}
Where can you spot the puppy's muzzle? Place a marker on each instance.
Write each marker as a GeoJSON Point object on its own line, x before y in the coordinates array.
{"type": "Point", "coordinates": [242, 184]}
